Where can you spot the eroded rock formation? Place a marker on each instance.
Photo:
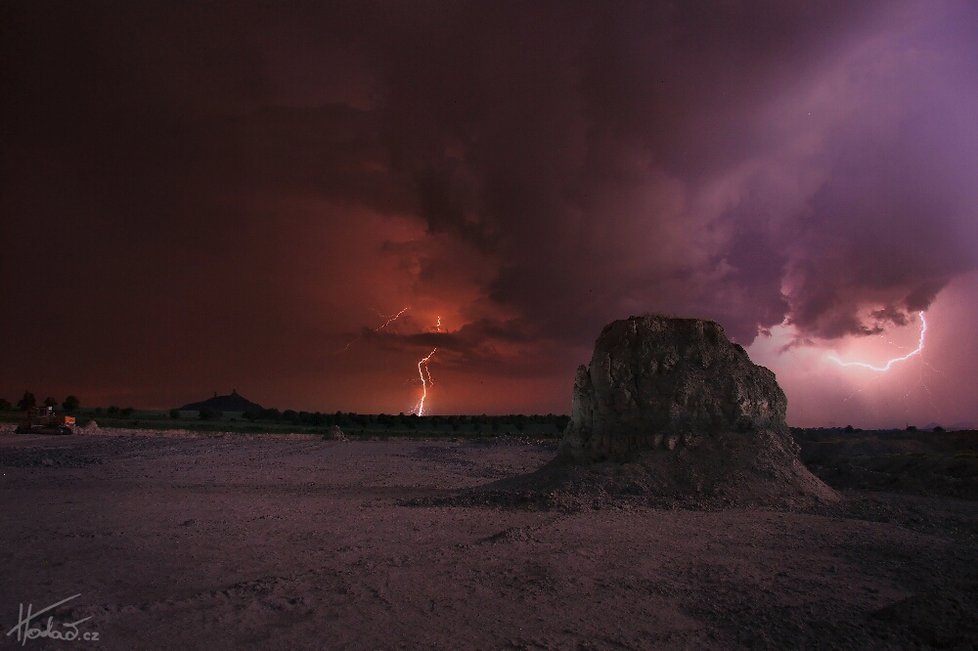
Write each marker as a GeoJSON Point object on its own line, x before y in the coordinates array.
{"type": "Point", "coordinates": [687, 411]}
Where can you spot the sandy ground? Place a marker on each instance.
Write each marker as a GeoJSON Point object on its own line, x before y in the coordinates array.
{"type": "Point", "coordinates": [240, 542]}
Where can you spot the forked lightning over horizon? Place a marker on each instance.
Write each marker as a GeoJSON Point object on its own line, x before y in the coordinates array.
{"type": "Point", "coordinates": [895, 360]}
{"type": "Point", "coordinates": [425, 374]}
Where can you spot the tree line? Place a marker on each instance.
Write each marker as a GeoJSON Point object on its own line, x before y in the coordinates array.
{"type": "Point", "coordinates": [353, 420]}
{"type": "Point", "coordinates": [519, 422]}
{"type": "Point", "coordinates": [344, 420]}
{"type": "Point", "coordinates": [29, 401]}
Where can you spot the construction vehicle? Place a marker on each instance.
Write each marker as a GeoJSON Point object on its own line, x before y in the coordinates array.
{"type": "Point", "coordinates": [43, 420]}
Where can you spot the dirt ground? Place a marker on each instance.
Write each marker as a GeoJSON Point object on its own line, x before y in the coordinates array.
{"type": "Point", "coordinates": [234, 542]}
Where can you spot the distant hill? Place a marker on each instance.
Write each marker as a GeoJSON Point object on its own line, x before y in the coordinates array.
{"type": "Point", "coordinates": [963, 425]}
{"type": "Point", "coordinates": [231, 402]}
{"type": "Point", "coordinates": [954, 427]}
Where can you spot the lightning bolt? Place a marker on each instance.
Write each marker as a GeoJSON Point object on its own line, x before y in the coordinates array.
{"type": "Point", "coordinates": [896, 360]}
{"type": "Point", "coordinates": [424, 372]}
{"type": "Point", "coordinates": [392, 319]}
{"type": "Point", "coordinates": [389, 320]}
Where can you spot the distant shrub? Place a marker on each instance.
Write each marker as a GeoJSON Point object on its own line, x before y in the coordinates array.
{"type": "Point", "coordinates": [291, 416]}
{"type": "Point", "coordinates": [27, 402]}
{"type": "Point", "coordinates": [71, 403]}
{"type": "Point", "coordinates": [126, 412]}
{"type": "Point", "coordinates": [174, 413]}
{"type": "Point", "coordinates": [5, 405]}
{"type": "Point", "coordinates": [208, 413]}
{"type": "Point", "coordinates": [938, 428]}
{"type": "Point", "coordinates": [911, 428]}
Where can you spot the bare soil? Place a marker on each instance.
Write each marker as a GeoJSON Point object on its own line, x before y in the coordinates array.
{"type": "Point", "coordinates": [291, 542]}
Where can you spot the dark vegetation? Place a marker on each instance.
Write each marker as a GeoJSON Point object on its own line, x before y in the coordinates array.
{"type": "Point", "coordinates": [929, 461]}
{"type": "Point", "coordinates": [936, 463]}
{"type": "Point", "coordinates": [207, 418]}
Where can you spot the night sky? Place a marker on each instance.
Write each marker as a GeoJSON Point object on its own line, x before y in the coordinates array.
{"type": "Point", "coordinates": [196, 197]}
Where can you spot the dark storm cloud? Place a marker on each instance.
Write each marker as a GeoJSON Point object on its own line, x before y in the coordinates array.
{"type": "Point", "coordinates": [485, 346]}
{"type": "Point", "coordinates": [809, 161]}
{"type": "Point", "coordinates": [564, 164]}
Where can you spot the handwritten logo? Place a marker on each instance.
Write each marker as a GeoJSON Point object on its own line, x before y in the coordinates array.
{"type": "Point", "coordinates": [68, 631]}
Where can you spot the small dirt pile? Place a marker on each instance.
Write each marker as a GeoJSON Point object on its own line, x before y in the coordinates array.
{"type": "Point", "coordinates": [334, 433]}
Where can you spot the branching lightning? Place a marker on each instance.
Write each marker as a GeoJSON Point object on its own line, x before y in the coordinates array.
{"type": "Point", "coordinates": [426, 380]}
{"type": "Point", "coordinates": [388, 320]}
{"type": "Point", "coordinates": [424, 372]}
{"type": "Point", "coordinates": [392, 319]}
{"type": "Point", "coordinates": [895, 360]}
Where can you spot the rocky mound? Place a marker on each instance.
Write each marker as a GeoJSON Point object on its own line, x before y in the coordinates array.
{"type": "Point", "coordinates": [669, 412]}
{"type": "Point", "coordinates": [671, 407]}
{"type": "Point", "coordinates": [659, 383]}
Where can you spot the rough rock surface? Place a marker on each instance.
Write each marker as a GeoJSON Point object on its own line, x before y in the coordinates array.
{"type": "Point", "coordinates": [680, 410]}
